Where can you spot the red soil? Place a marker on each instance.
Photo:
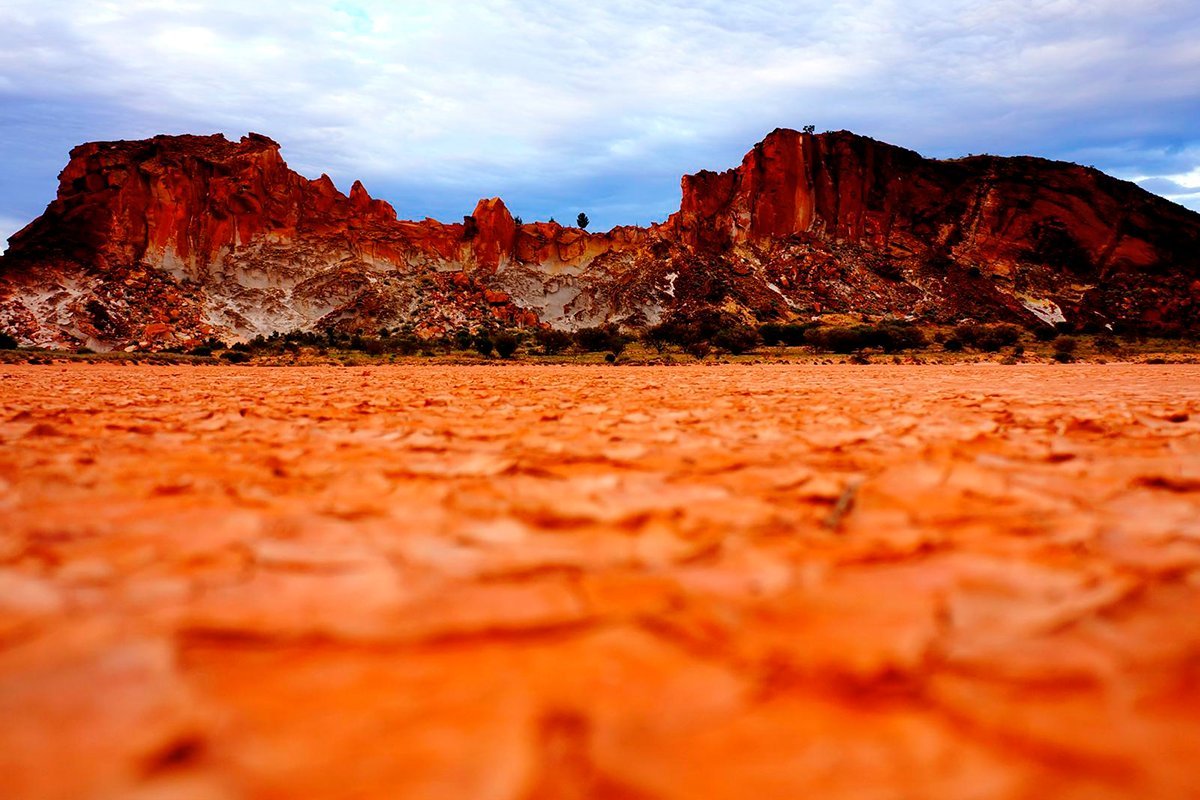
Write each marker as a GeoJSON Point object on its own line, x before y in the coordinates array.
{"type": "Point", "coordinates": [537, 582]}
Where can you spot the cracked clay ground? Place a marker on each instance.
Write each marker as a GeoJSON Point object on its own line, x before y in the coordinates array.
{"type": "Point", "coordinates": [638, 583]}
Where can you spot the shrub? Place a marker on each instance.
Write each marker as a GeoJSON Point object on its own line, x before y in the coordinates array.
{"type": "Point", "coordinates": [506, 344]}
{"type": "Point", "coordinates": [894, 336]}
{"type": "Point", "coordinates": [552, 341]}
{"type": "Point", "coordinates": [698, 348]}
{"type": "Point", "coordinates": [836, 340]}
{"type": "Point", "coordinates": [1063, 358]}
{"type": "Point", "coordinates": [483, 344]}
{"type": "Point", "coordinates": [791, 335]}
{"type": "Point", "coordinates": [953, 345]}
{"type": "Point", "coordinates": [408, 344]}
{"type": "Point", "coordinates": [1107, 344]}
{"type": "Point", "coordinates": [891, 337]}
{"type": "Point", "coordinates": [989, 338]}
{"type": "Point", "coordinates": [582, 220]}
{"type": "Point", "coordinates": [1044, 333]}
{"type": "Point", "coordinates": [657, 336]}
{"type": "Point", "coordinates": [598, 339]}
{"type": "Point", "coordinates": [235, 356]}
{"type": "Point", "coordinates": [1065, 344]}
{"type": "Point", "coordinates": [736, 339]}
{"type": "Point", "coordinates": [8, 341]}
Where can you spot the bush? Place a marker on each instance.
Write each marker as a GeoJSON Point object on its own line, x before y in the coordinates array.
{"type": "Point", "coordinates": [408, 344]}
{"type": "Point", "coordinates": [1044, 333]}
{"type": "Point", "coordinates": [552, 341]}
{"type": "Point", "coordinates": [989, 338]}
{"type": "Point", "coordinates": [1063, 358]}
{"type": "Point", "coordinates": [599, 338]}
{"type": "Point", "coordinates": [894, 337]}
{"type": "Point", "coordinates": [891, 337]}
{"type": "Point", "coordinates": [790, 335]}
{"type": "Point", "coordinates": [698, 348]}
{"type": "Point", "coordinates": [736, 339]}
{"type": "Point", "coordinates": [657, 336]}
{"type": "Point", "coordinates": [952, 345]}
{"type": "Point", "coordinates": [483, 344]}
{"type": "Point", "coordinates": [506, 344]}
{"type": "Point", "coordinates": [8, 341]}
{"type": "Point", "coordinates": [1065, 345]}
{"type": "Point", "coordinates": [235, 356]}
{"type": "Point", "coordinates": [1107, 344]}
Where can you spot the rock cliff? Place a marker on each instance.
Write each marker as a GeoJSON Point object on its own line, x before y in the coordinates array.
{"type": "Point", "coordinates": [163, 241]}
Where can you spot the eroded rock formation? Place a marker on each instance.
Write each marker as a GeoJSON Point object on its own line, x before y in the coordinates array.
{"type": "Point", "coordinates": [178, 237]}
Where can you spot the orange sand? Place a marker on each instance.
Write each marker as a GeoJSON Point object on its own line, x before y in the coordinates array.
{"type": "Point", "coordinates": [539, 582]}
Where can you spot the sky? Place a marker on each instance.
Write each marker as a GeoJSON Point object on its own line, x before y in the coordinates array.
{"type": "Point", "coordinates": [561, 106]}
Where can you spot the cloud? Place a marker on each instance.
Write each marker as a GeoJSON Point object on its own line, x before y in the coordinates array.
{"type": "Point", "coordinates": [562, 104]}
{"type": "Point", "coordinates": [9, 226]}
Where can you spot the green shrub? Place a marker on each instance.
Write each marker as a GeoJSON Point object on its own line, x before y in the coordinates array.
{"type": "Point", "coordinates": [1065, 344]}
{"type": "Point", "coordinates": [891, 337]}
{"type": "Point", "coordinates": [8, 341]}
{"type": "Point", "coordinates": [506, 344]}
{"type": "Point", "coordinates": [790, 335]}
{"type": "Point", "coordinates": [407, 344]}
{"type": "Point", "coordinates": [483, 344]}
{"type": "Point", "coordinates": [736, 339]}
{"type": "Point", "coordinates": [599, 338]}
{"type": "Point", "coordinates": [989, 338]}
{"type": "Point", "coordinates": [552, 341]}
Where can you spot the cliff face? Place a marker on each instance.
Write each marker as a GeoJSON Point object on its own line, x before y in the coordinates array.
{"type": "Point", "coordinates": [1010, 233]}
{"type": "Point", "coordinates": [177, 237]}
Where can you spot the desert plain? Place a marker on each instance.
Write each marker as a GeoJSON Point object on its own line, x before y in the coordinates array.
{"type": "Point", "coordinates": [526, 582]}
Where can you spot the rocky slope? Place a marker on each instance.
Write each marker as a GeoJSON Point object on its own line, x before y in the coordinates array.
{"type": "Point", "coordinates": [159, 242]}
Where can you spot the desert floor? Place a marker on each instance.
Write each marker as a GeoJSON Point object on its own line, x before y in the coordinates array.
{"type": "Point", "coordinates": [571, 582]}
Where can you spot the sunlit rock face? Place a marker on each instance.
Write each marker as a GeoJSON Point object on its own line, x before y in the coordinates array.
{"type": "Point", "coordinates": [175, 238]}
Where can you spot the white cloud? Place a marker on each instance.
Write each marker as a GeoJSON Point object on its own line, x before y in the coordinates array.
{"type": "Point", "coordinates": [9, 226]}
{"type": "Point", "coordinates": [491, 95]}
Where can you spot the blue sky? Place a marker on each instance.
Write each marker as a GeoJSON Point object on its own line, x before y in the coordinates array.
{"type": "Point", "coordinates": [562, 105]}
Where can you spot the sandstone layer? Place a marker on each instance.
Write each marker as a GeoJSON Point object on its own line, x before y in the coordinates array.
{"type": "Point", "coordinates": [161, 242]}
{"type": "Point", "coordinates": [839, 582]}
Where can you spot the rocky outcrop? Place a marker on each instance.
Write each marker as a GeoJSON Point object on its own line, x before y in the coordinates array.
{"type": "Point", "coordinates": [1012, 234]}
{"type": "Point", "coordinates": [162, 241]}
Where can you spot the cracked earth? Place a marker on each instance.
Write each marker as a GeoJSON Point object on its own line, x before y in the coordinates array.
{"type": "Point", "coordinates": [563, 582]}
